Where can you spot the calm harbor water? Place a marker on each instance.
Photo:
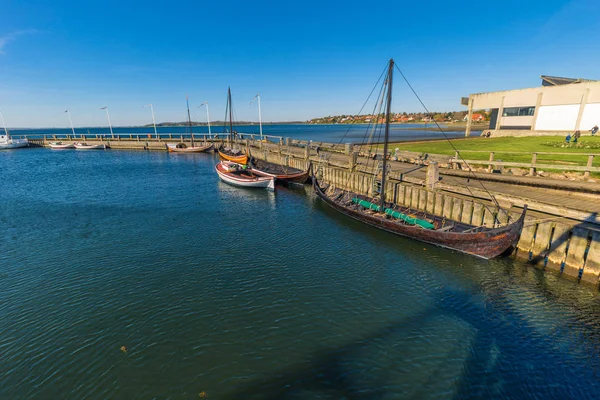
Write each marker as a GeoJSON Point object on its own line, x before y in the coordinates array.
{"type": "Point", "coordinates": [247, 294]}
{"type": "Point", "coordinates": [335, 133]}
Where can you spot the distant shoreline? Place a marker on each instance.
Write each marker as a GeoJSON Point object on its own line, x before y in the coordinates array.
{"type": "Point", "coordinates": [396, 125]}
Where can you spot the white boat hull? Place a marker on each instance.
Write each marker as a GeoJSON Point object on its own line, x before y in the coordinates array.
{"type": "Point", "coordinates": [258, 182]}
{"type": "Point", "coordinates": [84, 146]}
{"type": "Point", "coordinates": [61, 146]}
{"type": "Point", "coordinates": [188, 149]}
{"type": "Point", "coordinates": [14, 143]}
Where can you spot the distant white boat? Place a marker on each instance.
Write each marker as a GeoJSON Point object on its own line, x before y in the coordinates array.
{"type": "Point", "coordinates": [7, 142]}
{"type": "Point", "coordinates": [87, 146]}
{"type": "Point", "coordinates": [183, 148]}
{"type": "Point", "coordinates": [61, 145]}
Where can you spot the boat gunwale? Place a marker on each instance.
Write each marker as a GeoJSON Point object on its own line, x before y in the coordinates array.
{"type": "Point", "coordinates": [192, 149]}
{"type": "Point", "coordinates": [233, 176]}
{"type": "Point", "coordinates": [240, 159]}
{"type": "Point", "coordinates": [86, 146]}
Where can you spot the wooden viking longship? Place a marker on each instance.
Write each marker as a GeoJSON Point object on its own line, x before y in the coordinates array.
{"type": "Point", "coordinates": [480, 241]}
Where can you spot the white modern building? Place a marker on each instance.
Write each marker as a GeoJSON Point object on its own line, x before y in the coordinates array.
{"type": "Point", "coordinates": [560, 105]}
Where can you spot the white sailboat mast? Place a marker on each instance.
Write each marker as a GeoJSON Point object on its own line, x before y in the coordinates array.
{"type": "Point", "coordinates": [259, 117]}
{"type": "Point", "coordinates": [207, 115]}
{"type": "Point", "coordinates": [71, 121]}
{"type": "Point", "coordinates": [109, 124]}
{"type": "Point", "coordinates": [4, 124]}
{"type": "Point", "coordinates": [257, 97]}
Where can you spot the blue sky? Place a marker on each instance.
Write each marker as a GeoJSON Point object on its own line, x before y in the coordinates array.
{"type": "Point", "coordinates": [307, 59]}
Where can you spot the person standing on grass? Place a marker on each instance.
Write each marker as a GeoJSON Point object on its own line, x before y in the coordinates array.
{"type": "Point", "coordinates": [576, 136]}
{"type": "Point", "coordinates": [594, 130]}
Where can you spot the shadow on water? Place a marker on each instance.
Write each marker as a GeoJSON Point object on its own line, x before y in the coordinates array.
{"type": "Point", "coordinates": [508, 359]}
{"type": "Point", "coordinates": [327, 373]}
{"type": "Point", "coordinates": [512, 360]}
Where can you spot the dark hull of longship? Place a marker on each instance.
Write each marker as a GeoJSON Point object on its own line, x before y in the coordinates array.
{"type": "Point", "coordinates": [486, 244]}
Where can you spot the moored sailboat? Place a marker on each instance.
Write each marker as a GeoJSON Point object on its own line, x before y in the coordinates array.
{"type": "Point", "coordinates": [184, 148]}
{"type": "Point", "coordinates": [228, 153]}
{"type": "Point", "coordinates": [481, 241]}
{"type": "Point", "coordinates": [7, 141]}
{"type": "Point", "coordinates": [238, 175]}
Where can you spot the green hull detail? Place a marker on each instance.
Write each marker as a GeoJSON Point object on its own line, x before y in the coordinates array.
{"type": "Point", "coordinates": [394, 214]}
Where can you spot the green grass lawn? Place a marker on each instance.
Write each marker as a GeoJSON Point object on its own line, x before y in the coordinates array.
{"type": "Point", "coordinates": [508, 149]}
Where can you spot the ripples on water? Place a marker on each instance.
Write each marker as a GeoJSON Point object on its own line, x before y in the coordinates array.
{"type": "Point", "coordinates": [250, 294]}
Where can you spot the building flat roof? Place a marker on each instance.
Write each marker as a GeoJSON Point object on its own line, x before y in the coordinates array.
{"type": "Point", "coordinates": [548, 80]}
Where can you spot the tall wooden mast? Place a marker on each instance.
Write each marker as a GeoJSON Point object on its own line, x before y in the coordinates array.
{"type": "Point", "coordinates": [230, 117]}
{"type": "Point", "coordinates": [189, 119]}
{"type": "Point", "coordinates": [387, 133]}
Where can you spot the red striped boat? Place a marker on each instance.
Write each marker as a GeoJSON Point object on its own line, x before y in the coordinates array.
{"type": "Point", "coordinates": [237, 175]}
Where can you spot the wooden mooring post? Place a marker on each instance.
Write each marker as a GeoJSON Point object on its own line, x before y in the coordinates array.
{"type": "Point", "coordinates": [586, 174]}
{"type": "Point", "coordinates": [490, 165]}
{"type": "Point", "coordinates": [433, 175]}
{"type": "Point", "coordinates": [533, 161]}
{"type": "Point", "coordinates": [352, 159]}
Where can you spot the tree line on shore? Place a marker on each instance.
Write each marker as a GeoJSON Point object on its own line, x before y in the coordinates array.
{"type": "Point", "coordinates": [404, 117]}
{"type": "Point", "coordinates": [445, 117]}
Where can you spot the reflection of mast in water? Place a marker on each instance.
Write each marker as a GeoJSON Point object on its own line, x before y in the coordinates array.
{"type": "Point", "coordinates": [271, 199]}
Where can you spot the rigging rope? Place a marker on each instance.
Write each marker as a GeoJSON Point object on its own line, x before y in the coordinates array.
{"type": "Point", "coordinates": [328, 156]}
{"type": "Point", "coordinates": [364, 104]}
{"type": "Point", "coordinates": [374, 131]}
{"type": "Point", "coordinates": [452, 145]}
{"type": "Point", "coordinates": [226, 115]}
{"type": "Point", "coordinates": [374, 128]}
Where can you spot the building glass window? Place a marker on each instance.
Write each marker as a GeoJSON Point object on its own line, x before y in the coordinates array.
{"type": "Point", "coordinates": [518, 111]}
